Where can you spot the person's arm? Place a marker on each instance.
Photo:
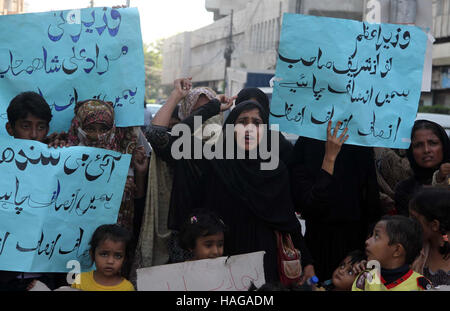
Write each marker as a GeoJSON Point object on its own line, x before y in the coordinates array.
{"type": "Point", "coordinates": [161, 139]}
{"type": "Point", "coordinates": [313, 189]}
{"type": "Point", "coordinates": [333, 147]}
{"type": "Point", "coordinates": [181, 89]}
{"type": "Point", "coordinates": [443, 174]}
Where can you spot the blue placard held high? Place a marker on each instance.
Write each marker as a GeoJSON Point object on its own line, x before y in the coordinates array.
{"type": "Point", "coordinates": [367, 75]}
{"type": "Point", "coordinates": [73, 55]}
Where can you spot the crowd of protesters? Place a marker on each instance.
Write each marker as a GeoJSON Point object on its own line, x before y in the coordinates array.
{"type": "Point", "coordinates": [360, 205]}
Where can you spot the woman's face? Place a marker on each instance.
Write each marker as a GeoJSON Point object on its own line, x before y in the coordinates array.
{"type": "Point", "coordinates": [248, 129]}
{"type": "Point", "coordinates": [94, 130]}
{"type": "Point", "coordinates": [427, 149]}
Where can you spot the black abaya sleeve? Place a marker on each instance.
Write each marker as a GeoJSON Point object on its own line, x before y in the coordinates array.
{"type": "Point", "coordinates": [312, 188]}
{"type": "Point", "coordinates": [403, 193]}
{"type": "Point", "coordinates": [161, 139]}
{"type": "Point", "coordinates": [312, 193]}
{"type": "Point", "coordinates": [286, 149]}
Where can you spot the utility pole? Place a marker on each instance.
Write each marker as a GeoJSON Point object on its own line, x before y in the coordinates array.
{"type": "Point", "coordinates": [277, 43]}
{"type": "Point", "coordinates": [92, 3]}
{"type": "Point", "coordinates": [128, 3]}
{"type": "Point", "coordinates": [228, 51]}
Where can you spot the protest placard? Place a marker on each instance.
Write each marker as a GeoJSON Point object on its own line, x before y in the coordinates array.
{"type": "Point", "coordinates": [234, 273]}
{"type": "Point", "coordinates": [366, 75]}
{"type": "Point", "coordinates": [73, 55]}
{"type": "Point", "coordinates": [52, 200]}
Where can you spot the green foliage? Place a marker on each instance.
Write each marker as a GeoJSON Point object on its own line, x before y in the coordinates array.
{"type": "Point", "coordinates": [153, 69]}
{"type": "Point", "coordinates": [435, 109]}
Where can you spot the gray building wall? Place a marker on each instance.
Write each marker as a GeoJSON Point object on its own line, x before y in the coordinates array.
{"type": "Point", "coordinates": [255, 37]}
{"type": "Point", "coordinates": [11, 7]}
{"type": "Point", "coordinates": [440, 84]}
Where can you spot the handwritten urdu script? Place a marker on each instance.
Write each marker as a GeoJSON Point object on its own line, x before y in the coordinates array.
{"type": "Point", "coordinates": [366, 75]}
{"type": "Point", "coordinates": [52, 200]}
{"type": "Point", "coordinates": [73, 55]}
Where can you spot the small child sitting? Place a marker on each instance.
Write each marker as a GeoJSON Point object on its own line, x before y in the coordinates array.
{"type": "Point", "coordinates": [431, 208]}
{"type": "Point", "coordinates": [202, 235]}
{"type": "Point", "coordinates": [345, 274]}
{"type": "Point", "coordinates": [395, 243]}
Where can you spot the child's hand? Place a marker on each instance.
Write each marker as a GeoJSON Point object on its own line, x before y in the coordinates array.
{"type": "Point", "coordinates": [57, 140]}
{"type": "Point", "coordinates": [308, 272]}
{"type": "Point", "coordinates": [359, 267]}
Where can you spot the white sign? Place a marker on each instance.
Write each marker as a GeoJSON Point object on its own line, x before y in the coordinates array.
{"type": "Point", "coordinates": [234, 273]}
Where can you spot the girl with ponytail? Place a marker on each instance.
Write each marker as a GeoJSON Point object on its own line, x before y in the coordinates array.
{"type": "Point", "coordinates": [431, 207]}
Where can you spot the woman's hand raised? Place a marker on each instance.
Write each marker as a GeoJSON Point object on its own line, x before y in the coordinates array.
{"type": "Point", "coordinates": [333, 146]}
{"type": "Point", "coordinates": [225, 102]}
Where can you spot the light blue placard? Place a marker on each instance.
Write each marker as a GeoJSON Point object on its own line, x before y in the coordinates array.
{"type": "Point", "coordinates": [367, 75]}
{"type": "Point", "coordinates": [73, 55]}
{"type": "Point", "coordinates": [52, 200]}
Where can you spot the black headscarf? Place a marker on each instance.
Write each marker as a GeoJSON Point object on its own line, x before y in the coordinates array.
{"type": "Point", "coordinates": [285, 147]}
{"type": "Point", "coordinates": [255, 94]}
{"type": "Point", "coordinates": [424, 175]}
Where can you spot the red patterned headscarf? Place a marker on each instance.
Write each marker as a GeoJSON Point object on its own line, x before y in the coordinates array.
{"type": "Point", "coordinates": [97, 111]}
{"type": "Point", "coordinates": [191, 99]}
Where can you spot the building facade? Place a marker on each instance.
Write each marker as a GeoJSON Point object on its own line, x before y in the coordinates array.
{"type": "Point", "coordinates": [245, 34]}
{"type": "Point", "coordinates": [440, 83]}
{"type": "Point", "coordinates": [11, 7]}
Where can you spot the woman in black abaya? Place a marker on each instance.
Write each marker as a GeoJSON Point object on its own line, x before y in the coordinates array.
{"type": "Point", "coordinates": [251, 201]}
{"type": "Point", "coordinates": [335, 189]}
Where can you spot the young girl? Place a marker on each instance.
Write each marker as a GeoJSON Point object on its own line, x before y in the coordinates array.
{"type": "Point", "coordinates": [345, 274]}
{"type": "Point", "coordinates": [110, 247]}
{"type": "Point", "coordinates": [202, 235]}
{"type": "Point", "coordinates": [431, 207]}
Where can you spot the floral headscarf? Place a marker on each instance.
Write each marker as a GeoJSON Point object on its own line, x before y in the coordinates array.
{"type": "Point", "coordinates": [191, 99]}
{"type": "Point", "coordinates": [97, 111]}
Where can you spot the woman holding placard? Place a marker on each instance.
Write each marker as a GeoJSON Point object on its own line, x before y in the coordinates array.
{"type": "Point", "coordinates": [335, 189]}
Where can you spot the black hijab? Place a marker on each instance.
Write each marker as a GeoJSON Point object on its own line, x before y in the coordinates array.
{"type": "Point", "coordinates": [255, 94]}
{"type": "Point", "coordinates": [424, 175]}
{"type": "Point", "coordinates": [285, 147]}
